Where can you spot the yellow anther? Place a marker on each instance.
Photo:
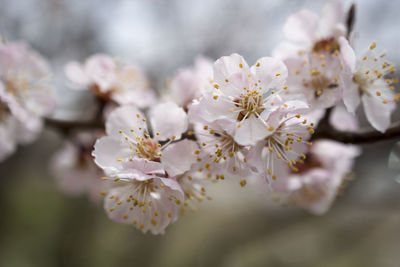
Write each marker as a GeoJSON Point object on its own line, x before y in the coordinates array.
{"type": "Point", "coordinates": [372, 46]}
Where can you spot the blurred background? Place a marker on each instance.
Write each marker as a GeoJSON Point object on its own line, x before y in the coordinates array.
{"type": "Point", "coordinates": [40, 226]}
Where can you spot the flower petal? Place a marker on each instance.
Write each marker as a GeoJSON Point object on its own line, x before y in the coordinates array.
{"type": "Point", "coordinates": [168, 120]}
{"type": "Point", "coordinates": [179, 157]}
{"type": "Point", "coordinates": [270, 71]}
{"type": "Point", "coordinates": [301, 26]}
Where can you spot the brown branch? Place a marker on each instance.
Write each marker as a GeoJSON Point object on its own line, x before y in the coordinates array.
{"type": "Point", "coordinates": [351, 14]}
{"type": "Point", "coordinates": [367, 136]}
{"type": "Point", "coordinates": [66, 126]}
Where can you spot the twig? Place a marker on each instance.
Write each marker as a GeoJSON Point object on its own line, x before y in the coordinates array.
{"type": "Point", "coordinates": [369, 136]}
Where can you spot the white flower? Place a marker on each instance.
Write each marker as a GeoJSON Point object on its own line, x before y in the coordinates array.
{"type": "Point", "coordinates": [316, 76]}
{"type": "Point", "coordinates": [365, 81]}
{"type": "Point", "coordinates": [307, 32]}
{"type": "Point", "coordinates": [244, 96]}
{"type": "Point", "coordinates": [25, 95]}
{"type": "Point", "coordinates": [143, 170]}
{"type": "Point", "coordinates": [124, 83]}
{"type": "Point", "coordinates": [74, 169]}
{"type": "Point", "coordinates": [148, 202]}
{"type": "Point", "coordinates": [189, 83]}
{"type": "Point", "coordinates": [286, 144]}
{"type": "Point", "coordinates": [319, 177]}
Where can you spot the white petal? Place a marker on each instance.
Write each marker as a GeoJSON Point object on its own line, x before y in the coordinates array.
{"type": "Point", "coordinates": [347, 55]}
{"type": "Point", "coordinates": [270, 71]}
{"type": "Point", "coordinates": [75, 73]}
{"type": "Point", "coordinates": [144, 165]}
{"type": "Point", "coordinates": [378, 114]}
{"type": "Point", "coordinates": [169, 120]}
{"type": "Point", "coordinates": [100, 68]}
{"type": "Point", "coordinates": [159, 209]}
{"type": "Point", "coordinates": [231, 74]}
{"type": "Point", "coordinates": [179, 157]}
{"type": "Point", "coordinates": [332, 16]}
{"type": "Point", "coordinates": [301, 26]}
{"type": "Point", "coordinates": [107, 152]}
{"type": "Point", "coordinates": [126, 118]}
{"type": "Point", "coordinates": [251, 131]}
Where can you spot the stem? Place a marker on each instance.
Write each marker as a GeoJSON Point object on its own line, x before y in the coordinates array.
{"type": "Point", "coordinates": [360, 137]}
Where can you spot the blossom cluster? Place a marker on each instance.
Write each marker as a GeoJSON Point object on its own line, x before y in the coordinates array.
{"type": "Point", "coordinates": [222, 120]}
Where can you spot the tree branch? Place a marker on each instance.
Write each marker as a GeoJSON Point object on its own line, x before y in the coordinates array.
{"type": "Point", "coordinates": [366, 136]}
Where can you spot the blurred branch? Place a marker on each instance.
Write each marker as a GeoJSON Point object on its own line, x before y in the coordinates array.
{"type": "Point", "coordinates": [350, 19]}
{"type": "Point", "coordinates": [66, 126]}
{"type": "Point", "coordinates": [325, 130]}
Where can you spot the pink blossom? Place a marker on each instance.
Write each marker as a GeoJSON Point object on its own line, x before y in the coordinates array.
{"type": "Point", "coordinates": [124, 83]}
{"type": "Point", "coordinates": [25, 95]}
{"type": "Point", "coordinates": [286, 144]}
{"type": "Point", "coordinates": [365, 82]}
{"type": "Point", "coordinates": [145, 192]}
{"type": "Point", "coordinates": [306, 32]}
{"type": "Point", "coordinates": [74, 169]}
{"type": "Point", "coordinates": [317, 179]}
{"type": "Point", "coordinates": [243, 96]}
{"type": "Point", "coordinates": [316, 76]}
{"type": "Point", "coordinates": [189, 83]}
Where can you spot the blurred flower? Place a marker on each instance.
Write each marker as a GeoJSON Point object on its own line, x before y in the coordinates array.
{"type": "Point", "coordinates": [123, 83]}
{"type": "Point", "coordinates": [318, 178]}
{"type": "Point", "coordinates": [189, 83]}
{"type": "Point", "coordinates": [74, 169]}
{"type": "Point", "coordinates": [306, 32]}
{"type": "Point", "coordinates": [364, 81]}
{"type": "Point", "coordinates": [25, 95]}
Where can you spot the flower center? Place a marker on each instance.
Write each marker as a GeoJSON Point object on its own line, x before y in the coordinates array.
{"type": "Point", "coordinates": [326, 45]}
{"type": "Point", "coordinates": [318, 83]}
{"type": "Point", "coordinates": [249, 104]}
{"type": "Point", "coordinates": [305, 165]}
{"type": "Point", "coordinates": [148, 148]}
{"type": "Point", "coordinates": [363, 82]}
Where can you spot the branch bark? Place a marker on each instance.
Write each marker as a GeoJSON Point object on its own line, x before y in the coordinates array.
{"type": "Point", "coordinates": [365, 136]}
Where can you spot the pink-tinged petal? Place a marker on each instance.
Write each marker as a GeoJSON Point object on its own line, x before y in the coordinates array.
{"type": "Point", "coordinates": [77, 76]}
{"type": "Point", "coordinates": [251, 130]}
{"type": "Point", "coordinates": [231, 74]}
{"type": "Point", "coordinates": [178, 158]}
{"type": "Point", "coordinates": [209, 109]}
{"type": "Point", "coordinates": [184, 87]}
{"type": "Point", "coordinates": [286, 50]}
{"type": "Point", "coordinates": [100, 68]}
{"type": "Point", "coordinates": [144, 165]}
{"type": "Point", "coordinates": [125, 119]}
{"type": "Point", "coordinates": [141, 98]}
{"type": "Point", "coordinates": [351, 94]}
{"type": "Point", "coordinates": [378, 114]}
{"type": "Point", "coordinates": [301, 26]}
{"type": "Point", "coordinates": [168, 120]}
{"type": "Point", "coordinates": [270, 71]}
{"type": "Point", "coordinates": [109, 153]}
{"type": "Point", "coordinates": [174, 185]}
{"type": "Point", "coordinates": [147, 210]}
{"type": "Point", "coordinates": [255, 157]}
{"type": "Point", "coordinates": [342, 120]}
{"type": "Point", "coordinates": [332, 19]}
{"type": "Point", "coordinates": [347, 55]}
